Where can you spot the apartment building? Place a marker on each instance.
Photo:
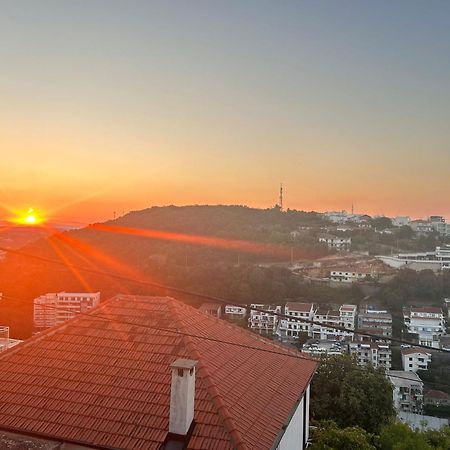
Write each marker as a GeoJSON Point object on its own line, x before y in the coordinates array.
{"type": "Point", "coordinates": [414, 359]}
{"type": "Point", "coordinates": [292, 327]}
{"type": "Point", "coordinates": [335, 242]}
{"type": "Point", "coordinates": [343, 316]}
{"type": "Point", "coordinates": [264, 322]}
{"type": "Point", "coordinates": [54, 309]}
{"type": "Point", "coordinates": [426, 322]}
{"type": "Point", "coordinates": [407, 391]}
{"type": "Point", "coordinates": [349, 275]}
{"type": "Point", "coordinates": [376, 321]}
{"type": "Point", "coordinates": [378, 354]}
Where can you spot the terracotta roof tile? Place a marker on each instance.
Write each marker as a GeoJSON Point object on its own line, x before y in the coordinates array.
{"type": "Point", "coordinates": [106, 382]}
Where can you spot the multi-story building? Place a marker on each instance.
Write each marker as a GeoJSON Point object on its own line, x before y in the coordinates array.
{"type": "Point", "coordinates": [55, 308]}
{"type": "Point", "coordinates": [264, 322]}
{"type": "Point", "coordinates": [336, 242]}
{"type": "Point", "coordinates": [375, 321]}
{"type": "Point", "coordinates": [378, 354]}
{"type": "Point", "coordinates": [349, 275]}
{"type": "Point", "coordinates": [442, 228]}
{"type": "Point", "coordinates": [235, 311]}
{"type": "Point", "coordinates": [343, 317]}
{"type": "Point", "coordinates": [414, 359]}
{"type": "Point", "coordinates": [421, 226]}
{"type": "Point", "coordinates": [427, 322]}
{"type": "Point", "coordinates": [5, 341]}
{"type": "Point", "coordinates": [293, 327]}
{"type": "Point", "coordinates": [407, 391]}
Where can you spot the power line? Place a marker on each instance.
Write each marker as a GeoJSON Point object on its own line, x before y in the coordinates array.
{"type": "Point", "coordinates": [223, 301]}
{"type": "Point", "coordinates": [288, 352]}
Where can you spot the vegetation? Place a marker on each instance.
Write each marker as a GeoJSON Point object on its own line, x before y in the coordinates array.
{"type": "Point", "coordinates": [351, 396]}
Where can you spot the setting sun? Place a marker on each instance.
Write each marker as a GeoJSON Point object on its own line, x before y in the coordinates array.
{"type": "Point", "coordinates": [29, 217]}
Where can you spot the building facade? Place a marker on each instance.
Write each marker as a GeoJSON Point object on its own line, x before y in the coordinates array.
{"type": "Point", "coordinates": [264, 322]}
{"type": "Point", "coordinates": [414, 359]}
{"type": "Point", "coordinates": [407, 391]}
{"type": "Point", "coordinates": [375, 321]}
{"type": "Point", "coordinates": [293, 327]}
{"type": "Point", "coordinates": [378, 354]}
{"type": "Point", "coordinates": [53, 309]}
{"type": "Point", "coordinates": [426, 322]}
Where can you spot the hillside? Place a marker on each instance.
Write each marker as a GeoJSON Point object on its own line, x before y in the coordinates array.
{"type": "Point", "coordinates": [211, 249]}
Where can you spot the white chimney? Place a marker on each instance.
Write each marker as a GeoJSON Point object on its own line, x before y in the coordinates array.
{"type": "Point", "coordinates": [182, 396]}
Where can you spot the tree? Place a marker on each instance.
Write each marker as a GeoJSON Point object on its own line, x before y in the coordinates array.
{"type": "Point", "coordinates": [380, 223]}
{"type": "Point", "coordinates": [329, 437]}
{"type": "Point", "coordinates": [350, 395]}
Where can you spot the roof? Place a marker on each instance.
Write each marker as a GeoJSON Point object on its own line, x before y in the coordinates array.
{"type": "Point", "coordinates": [403, 378]}
{"type": "Point", "coordinates": [107, 382]}
{"type": "Point", "coordinates": [300, 307]}
{"type": "Point", "coordinates": [411, 351]}
{"type": "Point", "coordinates": [437, 394]}
{"type": "Point", "coordinates": [426, 309]}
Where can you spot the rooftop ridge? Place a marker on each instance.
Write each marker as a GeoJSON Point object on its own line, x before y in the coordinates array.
{"type": "Point", "coordinates": [211, 387]}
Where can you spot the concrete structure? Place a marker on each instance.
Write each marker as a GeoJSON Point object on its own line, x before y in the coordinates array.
{"type": "Point", "coordinates": [427, 323]}
{"type": "Point", "coordinates": [414, 359]}
{"type": "Point", "coordinates": [336, 242]}
{"type": "Point", "coordinates": [5, 341]}
{"type": "Point", "coordinates": [421, 422]}
{"type": "Point", "coordinates": [54, 309]}
{"type": "Point", "coordinates": [292, 328]}
{"type": "Point", "coordinates": [264, 322]}
{"type": "Point", "coordinates": [375, 321]}
{"type": "Point", "coordinates": [344, 316]}
{"type": "Point", "coordinates": [212, 309]}
{"type": "Point", "coordinates": [378, 354]}
{"type": "Point", "coordinates": [407, 390]}
{"type": "Point", "coordinates": [349, 275]}
{"type": "Point", "coordinates": [235, 311]}
{"type": "Point", "coordinates": [436, 261]}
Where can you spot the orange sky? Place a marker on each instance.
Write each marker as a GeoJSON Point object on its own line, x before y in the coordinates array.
{"type": "Point", "coordinates": [125, 107]}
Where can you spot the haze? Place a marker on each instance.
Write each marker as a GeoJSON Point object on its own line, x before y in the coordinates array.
{"type": "Point", "coordinates": [111, 105]}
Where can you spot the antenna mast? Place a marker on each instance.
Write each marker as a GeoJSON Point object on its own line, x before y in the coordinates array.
{"type": "Point", "coordinates": [281, 196]}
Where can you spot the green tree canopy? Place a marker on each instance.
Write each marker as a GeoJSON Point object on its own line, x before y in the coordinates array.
{"type": "Point", "coordinates": [351, 396]}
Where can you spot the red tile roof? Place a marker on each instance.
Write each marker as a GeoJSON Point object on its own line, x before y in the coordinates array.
{"type": "Point", "coordinates": [107, 382]}
{"type": "Point", "coordinates": [411, 351]}
{"type": "Point", "coordinates": [437, 395]}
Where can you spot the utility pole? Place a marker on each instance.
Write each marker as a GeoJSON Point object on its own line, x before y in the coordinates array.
{"type": "Point", "coordinates": [114, 215]}
{"type": "Point", "coordinates": [281, 196]}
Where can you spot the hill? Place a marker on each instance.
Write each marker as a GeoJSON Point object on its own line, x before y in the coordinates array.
{"type": "Point", "coordinates": [212, 249]}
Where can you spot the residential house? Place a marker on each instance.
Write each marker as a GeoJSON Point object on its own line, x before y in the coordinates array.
{"type": "Point", "coordinates": [264, 321]}
{"type": "Point", "coordinates": [343, 316]}
{"type": "Point", "coordinates": [426, 322]}
{"type": "Point", "coordinates": [233, 311]}
{"type": "Point", "coordinates": [407, 390]}
{"type": "Point", "coordinates": [5, 341]}
{"type": "Point", "coordinates": [153, 373]}
{"type": "Point", "coordinates": [415, 359]}
{"type": "Point", "coordinates": [378, 354]}
{"type": "Point", "coordinates": [436, 398]}
{"type": "Point", "coordinates": [293, 326]}
{"type": "Point", "coordinates": [375, 321]}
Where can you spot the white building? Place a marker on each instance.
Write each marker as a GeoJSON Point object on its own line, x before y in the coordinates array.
{"type": "Point", "coordinates": [407, 392]}
{"type": "Point", "coordinates": [401, 221]}
{"type": "Point", "coordinates": [235, 311]}
{"type": "Point", "coordinates": [378, 354]}
{"type": "Point", "coordinates": [344, 317]}
{"type": "Point", "coordinates": [336, 242]}
{"type": "Point", "coordinates": [292, 328]}
{"type": "Point", "coordinates": [427, 322]}
{"type": "Point", "coordinates": [55, 308]}
{"type": "Point", "coordinates": [414, 359]}
{"type": "Point", "coordinates": [264, 322]}
{"type": "Point", "coordinates": [436, 261]}
{"type": "Point", "coordinates": [337, 216]}
{"type": "Point", "coordinates": [5, 341]}
{"type": "Point", "coordinates": [349, 275]}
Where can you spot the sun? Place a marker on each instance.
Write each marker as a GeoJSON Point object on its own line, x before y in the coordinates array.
{"type": "Point", "coordinates": [29, 217]}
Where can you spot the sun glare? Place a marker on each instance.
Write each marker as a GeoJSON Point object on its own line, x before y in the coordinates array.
{"type": "Point", "coordinates": [29, 217]}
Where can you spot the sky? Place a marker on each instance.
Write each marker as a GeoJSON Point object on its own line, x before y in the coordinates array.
{"type": "Point", "coordinates": [110, 106]}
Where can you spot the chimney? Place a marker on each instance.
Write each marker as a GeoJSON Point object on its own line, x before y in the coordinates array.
{"type": "Point", "coordinates": [182, 396]}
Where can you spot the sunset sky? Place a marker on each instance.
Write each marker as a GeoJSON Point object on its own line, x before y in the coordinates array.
{"type": "Point", "coordinates": [119, 105]}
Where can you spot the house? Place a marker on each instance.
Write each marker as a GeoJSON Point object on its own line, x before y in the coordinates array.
{"type": "Point", "coordinates": [415, 359]}
{"type": "Point", "coordinates": [336, 243]}
{"type": "Point", "coordinates": [212, 309]}
{"type": "Point", "coordinates": [264, 319]}
{"type": "Point", "coordinates": [153, 373]}
{"type": "Point", "coordinates": [53, 309]}
{"type": "Point", "coordinates": [436, 398]}
{"type": "Point", "coordinates": [292, 328]}
{"type": "Point", "coordinates": [349, 274]}
{"type": "Point", "coordinates": [407, 390]}
{"type": "Point", "coordinates": [401, 221]}
{"type": "Point", "coordinates": [378, 354]}
{"type": "Point", "coordinates": [426, 322]}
